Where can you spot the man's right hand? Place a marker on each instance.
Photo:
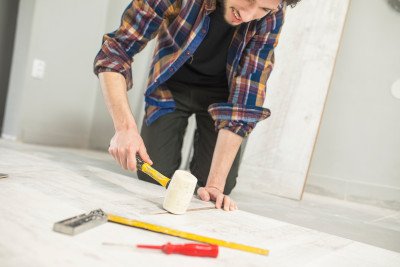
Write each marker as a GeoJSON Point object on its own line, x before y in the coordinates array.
{"type": "Point", "coordinates": [124, 146]}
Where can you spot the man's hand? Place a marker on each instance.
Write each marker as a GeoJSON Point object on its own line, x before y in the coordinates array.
{"type": "Point", "coordinates": [124, 146]}
{"type": "Point", "coordinates": [214, 194]}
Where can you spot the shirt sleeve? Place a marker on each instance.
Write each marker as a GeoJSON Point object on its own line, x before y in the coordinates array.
{"type": "Point", "coordinates": [140, 23]}
{"type": "Point", "coordinates": [244, 108]}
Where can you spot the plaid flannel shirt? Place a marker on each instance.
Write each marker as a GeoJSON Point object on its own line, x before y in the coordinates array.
{"type": "Point", "coordinates": [180, 29]}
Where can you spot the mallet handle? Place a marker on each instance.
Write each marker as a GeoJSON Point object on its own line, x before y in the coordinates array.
{"type": "Point", "coordinates": [150, 171]}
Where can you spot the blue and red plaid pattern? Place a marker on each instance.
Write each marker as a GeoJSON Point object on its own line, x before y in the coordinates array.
{"type": "Point", "coordinates": [180, 30]}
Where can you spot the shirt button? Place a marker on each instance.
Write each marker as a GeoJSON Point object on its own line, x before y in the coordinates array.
{"type": "Point", "coordinates": [171, 69]}
{"type": "Point", "coordinates": [204, 31]}
{"type": "Point", "coordinates": [187, 53]}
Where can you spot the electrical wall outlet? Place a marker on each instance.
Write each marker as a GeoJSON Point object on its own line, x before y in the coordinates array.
{"type": "Point", "coordinates": [38, 69]}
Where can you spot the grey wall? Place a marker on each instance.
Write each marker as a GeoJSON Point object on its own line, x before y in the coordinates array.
{"type": "Point", "coordinates": [8, 20]}
{"type": "Point", "coordinates": [14, 105]}
{"type": "Point", "coordinates": [66, 107]}
{"type": "Point", "coordinates": [357, 156]}
{"type": "Point", "coordinates": [58, 109]}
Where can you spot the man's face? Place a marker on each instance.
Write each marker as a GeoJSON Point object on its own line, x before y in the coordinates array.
{"type": "Point", "coordinates": [240, 11]}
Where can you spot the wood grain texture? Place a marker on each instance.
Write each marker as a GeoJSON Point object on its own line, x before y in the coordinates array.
{"type": "Point", "coordinates": [278, 152]}
{"type": "Point", "coordinates": [46, 185]}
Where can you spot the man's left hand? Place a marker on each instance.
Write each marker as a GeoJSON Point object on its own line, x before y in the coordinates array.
{"type": "Point", "coordinates": [214, 194]}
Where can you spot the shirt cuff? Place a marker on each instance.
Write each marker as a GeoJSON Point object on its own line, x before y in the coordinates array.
{"type": "Point", "coordinates": [240, 119]}
{"type": "Point", "coordinates": [112, 59]}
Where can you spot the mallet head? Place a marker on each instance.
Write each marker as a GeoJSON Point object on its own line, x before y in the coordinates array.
{"type": "Point", "coordinates": [180, 192]}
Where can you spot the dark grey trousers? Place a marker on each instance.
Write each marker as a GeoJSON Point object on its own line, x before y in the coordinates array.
{"type": "Point", "coordinates": [164, 137]}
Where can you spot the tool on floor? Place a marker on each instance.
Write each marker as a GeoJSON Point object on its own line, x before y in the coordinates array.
{"type": "Point", "coordinates": [81, 223]}
{"type": "Point", "coordinates": [180, 188]}
{"type": "Point", "coordinates": [84, 222]}
{"type": "Point", "coordinates": [190, 249]}
{"type": "Point", "coordinates": [3, 175]}
{"type": "Point", "coordinates": [185, 235]}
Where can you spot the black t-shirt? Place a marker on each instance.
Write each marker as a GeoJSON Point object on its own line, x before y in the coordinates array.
{"type": "Point", "coordinates": [207, 67]}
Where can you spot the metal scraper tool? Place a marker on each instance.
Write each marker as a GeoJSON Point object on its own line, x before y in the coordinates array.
{"type": "Point", "coordinates": [81, 223]}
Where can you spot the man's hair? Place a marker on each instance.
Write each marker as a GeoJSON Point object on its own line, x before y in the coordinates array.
{"type": "Point", "coordinates": [292, 3]}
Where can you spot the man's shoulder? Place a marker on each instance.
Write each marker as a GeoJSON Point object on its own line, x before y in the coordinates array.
{"type": "Point", "coordinates": [271, 22]}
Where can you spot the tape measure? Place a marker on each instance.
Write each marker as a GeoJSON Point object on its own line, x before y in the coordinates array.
{"type": "Point", "coordinates": [185, 235]}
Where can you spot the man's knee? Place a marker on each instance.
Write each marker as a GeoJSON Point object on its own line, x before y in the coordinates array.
{"type": "Point", "coordinates": [230, 185]}
{"type": "Point", "coordinates": [231, 180]}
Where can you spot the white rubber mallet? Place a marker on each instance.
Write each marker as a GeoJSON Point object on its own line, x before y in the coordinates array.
{"type": "Point", "coordinates": [180, 188]}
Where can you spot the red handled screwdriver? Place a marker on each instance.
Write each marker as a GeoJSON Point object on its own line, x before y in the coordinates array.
{"type": "Point", "coordinates": [190, 249]}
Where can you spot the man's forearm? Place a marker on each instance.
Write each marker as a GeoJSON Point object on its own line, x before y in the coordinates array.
{"type": "Point", "coordinates": [113, 85]}
{"type": "Point", "coordinates": [225, 151]}
{"type": "Point", "coordinates": [126, 142]}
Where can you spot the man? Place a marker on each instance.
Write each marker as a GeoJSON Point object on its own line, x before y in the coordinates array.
{"type": "Point", "coordinates": [212, 59]}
